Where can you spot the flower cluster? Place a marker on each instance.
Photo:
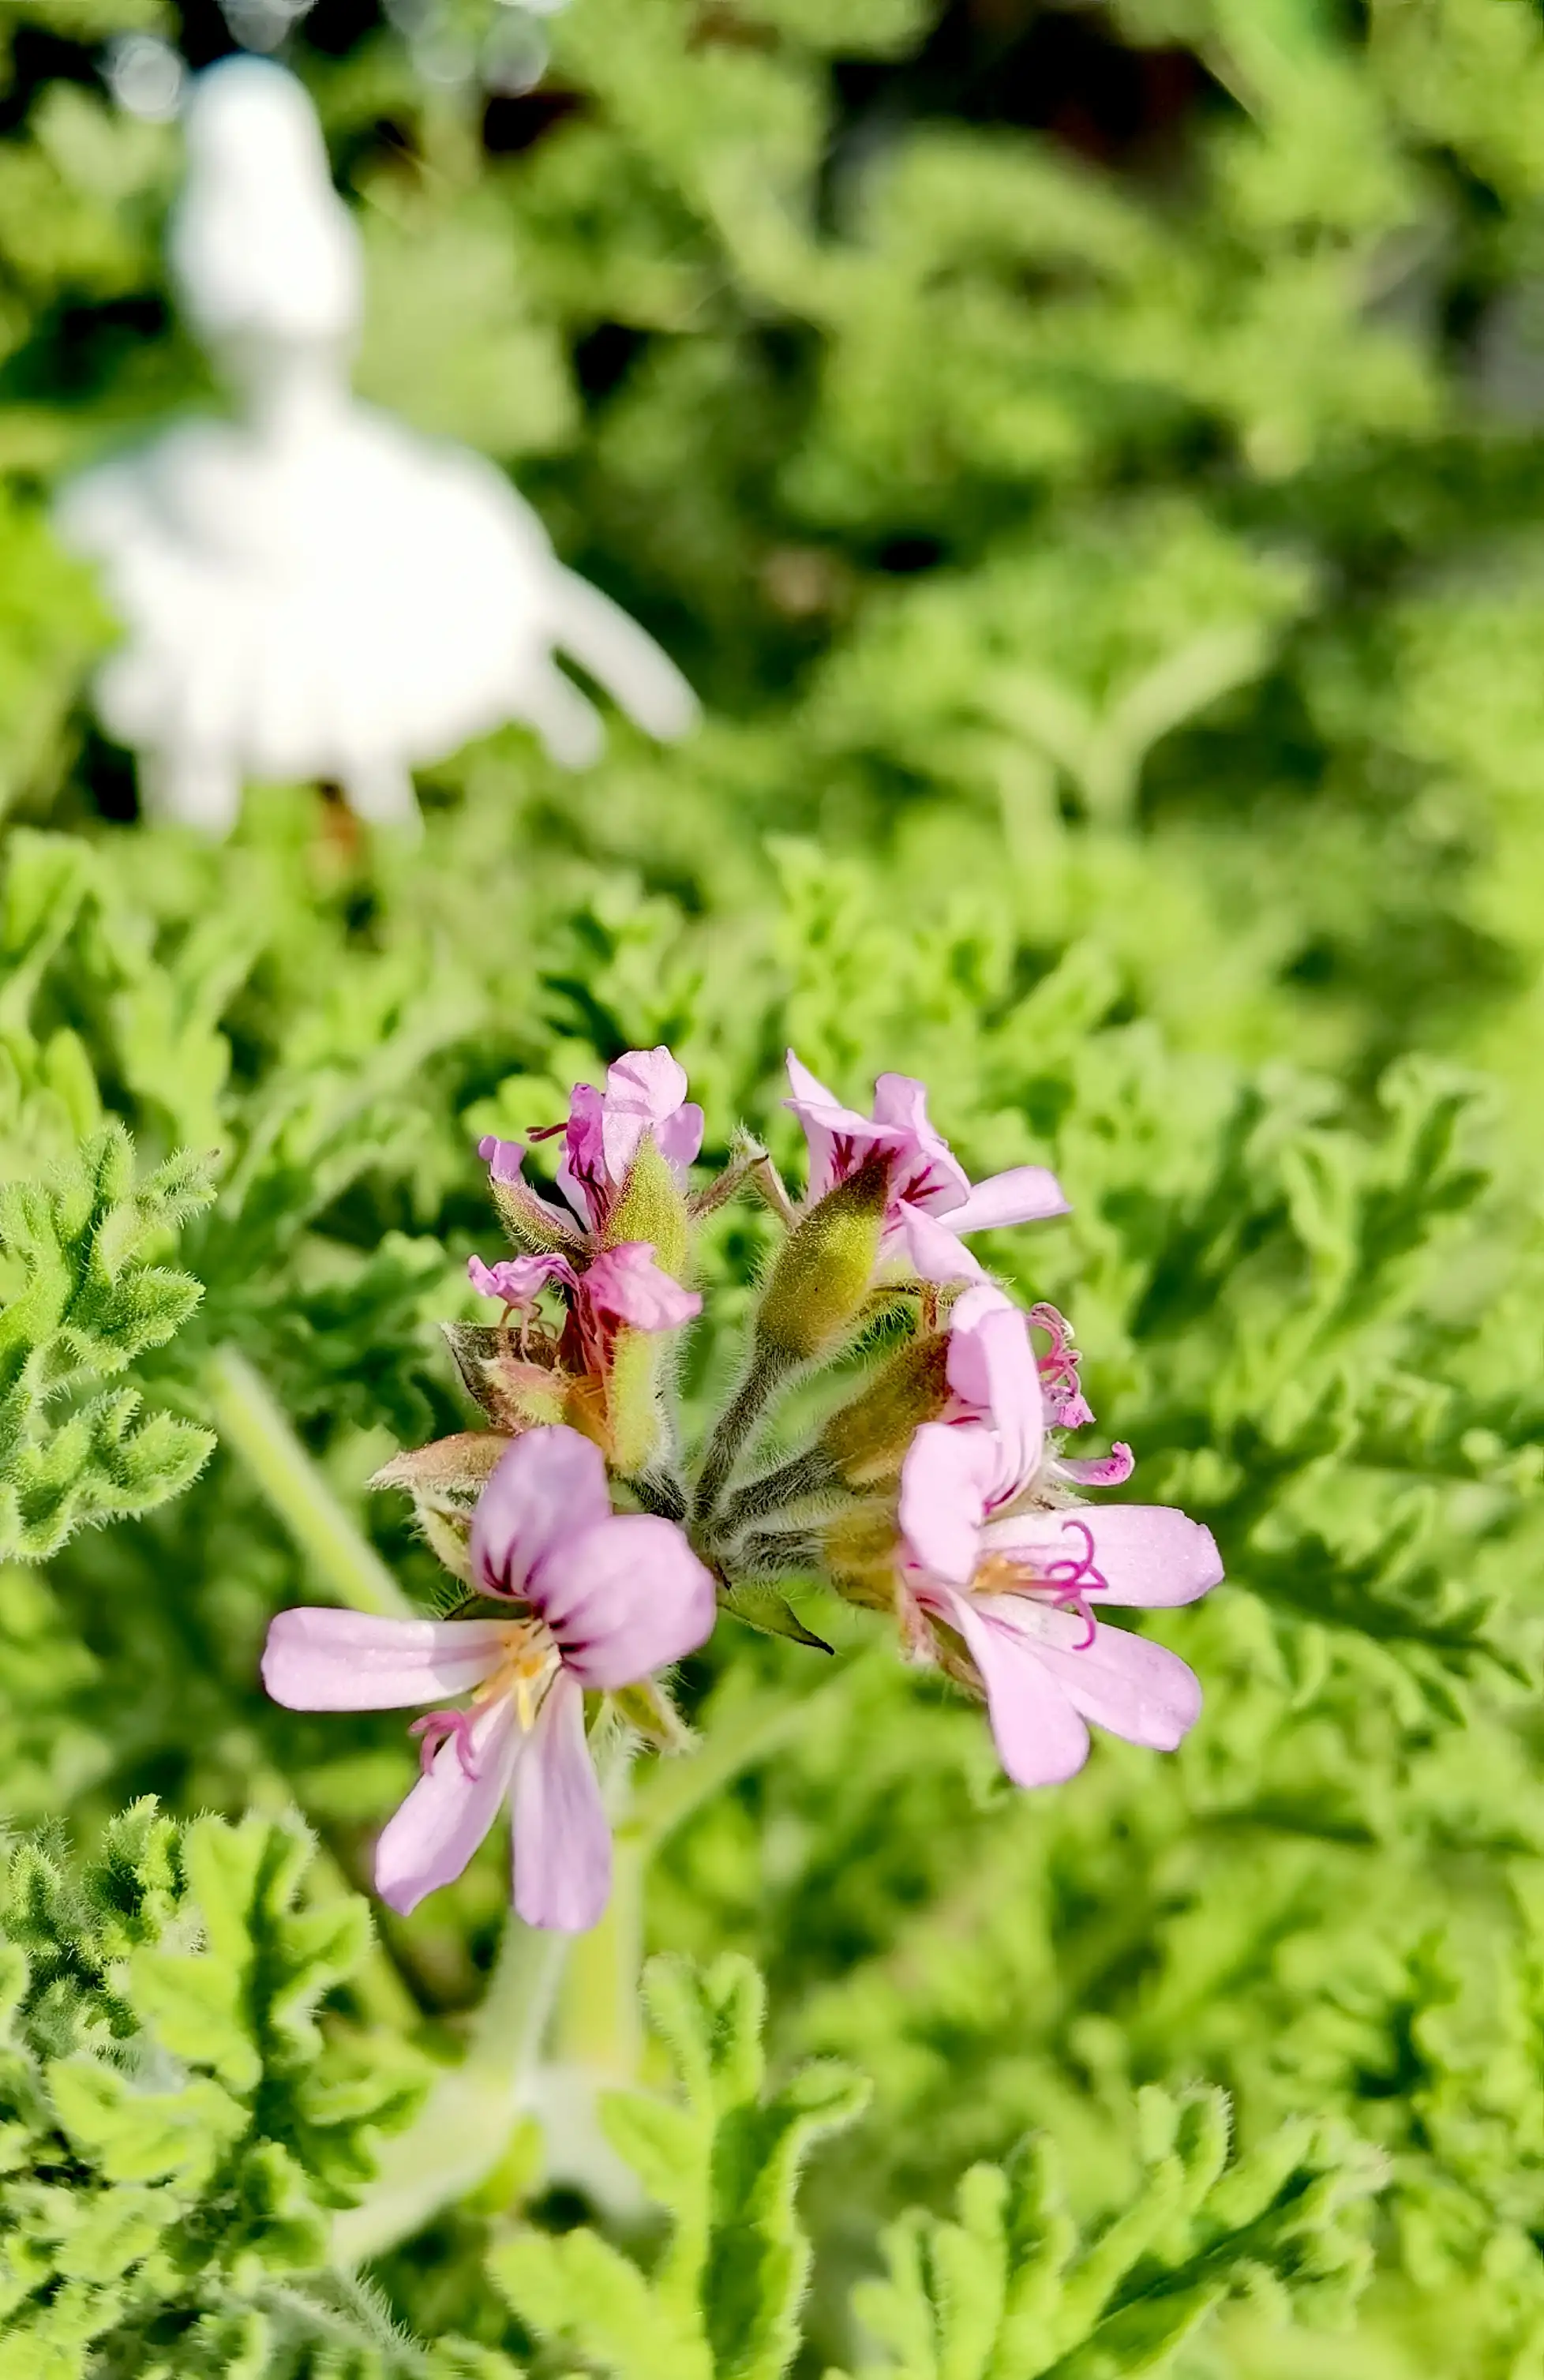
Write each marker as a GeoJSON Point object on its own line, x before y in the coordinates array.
{"type": "Point", "coordinates": [591, 1557]}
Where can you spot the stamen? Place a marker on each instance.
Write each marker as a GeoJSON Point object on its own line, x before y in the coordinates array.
{"type": "Point", "coordinates": [437, 1729]}
{"type": "Point", "coordinates": [1074, 1579]}
{"type": "Point", "coordinates": [1069, 1408]}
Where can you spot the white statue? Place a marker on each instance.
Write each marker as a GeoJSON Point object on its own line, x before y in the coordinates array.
{"type": "Point", "coordinates": [311, 590]}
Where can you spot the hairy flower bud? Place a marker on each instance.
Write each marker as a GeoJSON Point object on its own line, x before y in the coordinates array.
{"type": "Point", "coordinates": [866, 1439]}
{"type": "Point", "coordinates": [825, 1268]}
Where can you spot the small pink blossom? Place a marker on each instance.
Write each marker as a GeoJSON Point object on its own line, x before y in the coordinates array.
{"type": "Point", "coordinates": [931, 1200]}
{"type": "Point", "coordinates": [600, 1600]}
{"type": "Point", "coordinates": [646, 1091]}
{"type": "Point", "coordinates": [623, 1282]}
{"type": "Point", "coordinates": [994, 1549]}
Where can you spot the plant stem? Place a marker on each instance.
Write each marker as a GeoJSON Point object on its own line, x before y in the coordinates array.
{"type": "Point", "coordinates": [769, 1369]}
{"type": "Point", "coordinates": [460, 2135]}
{"type": "Point", "coordinates": [599, 2023]}
{"type": "Point", "coordinates": [253, 1424]}
{"type": "Point", "coordinates": [803, 1475]}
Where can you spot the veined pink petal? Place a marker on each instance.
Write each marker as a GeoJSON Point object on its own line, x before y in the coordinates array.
{"type": "Point", "coordinates": [1121, 1682]}
{"type": "Point", "coordinates": [945, 1480]}
{"type": "Point", "coordinates": [551, 1484]}
{"type": "Point", "coordinates": [931, 1249]}
{"type": "Point", "coordinates": [518, 1280]}
{"type": "Point", "coordinates": [624, 1597]}
{"type": "Point", "coordinates": [834, 1133]}
{"type": "Point", "coordinates": [1025, 1194]}
{"type": "Point", "coordinates": [1147, 1554]}
{"type": "Point", "coordinates": [625, 1281]}
{"type": "Point", "coordinates": [1041, 1739]}
{"type": "Point", "coordinates": [318, 1658]}
{"type": "Point", "coordinates": [993, 1370]}
{"type": "Point", "coordinates": [446, 1814]}
{"type": "Point", "coordinates": [927, 1172]}
{"type": "Point", "coordinates": [562, 1843]}
{"type": "Point", "coordinates": [582, 1168]}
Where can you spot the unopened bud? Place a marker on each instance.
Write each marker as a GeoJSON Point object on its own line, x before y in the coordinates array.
{"type": "Point", "coordinates": [866, 1441]}
{"type": "Point", "coordinates": [450, 1473]}
{"type": "Point", "coordinates": [513, 1393]}
{"type": "Point", "coordinates": [825, 1268]}
{"type": "Point", "coordinates": [859, 1549]}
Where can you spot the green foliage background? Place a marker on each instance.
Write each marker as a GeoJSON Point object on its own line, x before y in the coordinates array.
{"type": "Point", "coordinates": [1091, 462]}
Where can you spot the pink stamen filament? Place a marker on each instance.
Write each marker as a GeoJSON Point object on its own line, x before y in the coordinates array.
{"type": "Point", "coordinates": [436, 1730]}
{"type": "Point", "coordinates": [1074, 1579]}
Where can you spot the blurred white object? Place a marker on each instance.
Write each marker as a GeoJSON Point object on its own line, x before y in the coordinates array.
{"type": "Point", "coordinates": [145, 76]}
{"type": "Point", "coordinates": [312, 590]}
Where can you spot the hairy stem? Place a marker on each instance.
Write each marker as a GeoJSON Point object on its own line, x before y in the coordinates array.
{"type": "Point", "coordinates": [803, 1475]}
{"type": "Point", "coordinates": [768, 1372]}
{"type": "Point", "coordinates": [253, 1424]}
{"type": "Point", "coordinates": [773, 1553]}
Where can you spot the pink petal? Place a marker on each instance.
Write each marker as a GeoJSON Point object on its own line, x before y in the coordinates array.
{"type": "Point", "coordinates": [992, 1369]}
{"type": "Point", "coordinates": [647, 1088]}
{"type": "Point", "coordinates": [945, 1480]}
{"type": "Point", "coordinates": [550, 1485]}
{"type": "Point", "coordinates": [518, 1280]}
{"type": "Point", "coordinates": [625, 1281]}
{"type": "Point", "coordinates": [1041, 1739]}
{"type": "Point", "coordinates": [1147, 1554]}
{"type": "Point", "coordinates": [582, 1169]}
{"type": "Point", "coordinates": [318, 1658]}
{"type": "Point", "coordinates": [680, 1135]}
{"type": "Point", "coordinates": [1025, 1194]}
{"type": "Point", "coordinates": [828, 1126]}
{"type": "Point", "coordinates": [808, 1090]}
{"type": "Point", "coordinates": [624, 1597]}
{"type": "Point", "coordinates": [931, 1249]}
{"type": "Point", "coordinates": [447, 1814]}
{"type": "Point", "coordinates": [503, 1158]}
{"type": "Point", "coordinates": [926, 1172]}
{"type": "Point", "coordinates": [1124, 1683]}
{"type": "Point", "coordinates": [1112, 1470]}
{"type": "Point", "coordinates": [562, 1842]}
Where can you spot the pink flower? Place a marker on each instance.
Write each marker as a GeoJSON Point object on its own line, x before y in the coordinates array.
{"type": "Point", "coordinates": [932, 1200]}
{"type": "Point", "coordinates": [646, 1091]}
{"type": "Point", "coordinates": [624, 1284]}
{"type": "Point", "coordinates": [994, 1549]}
{"type": "Point", "coordinates": [600, 1600]}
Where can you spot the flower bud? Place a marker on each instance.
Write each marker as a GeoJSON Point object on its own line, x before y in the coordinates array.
{"type": "Point", "coordinates": [825, 1268]}
{"type": "Point", "coordinates": [513, 1393]}
{"type": "Point", "coordinates": [860, 1547]}
{"type": "Point", "coordinates": [866, 1441]}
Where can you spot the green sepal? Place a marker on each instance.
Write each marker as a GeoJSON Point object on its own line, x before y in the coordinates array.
{"type": "Point", "coordinates": [652, 1206]}
{"type": "Point", "coordinates": [866, 1438]}
{"type": "Point", "coordinates": [821, 1281]}
{"type": "Point", "coordinates": [770, 1614]}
